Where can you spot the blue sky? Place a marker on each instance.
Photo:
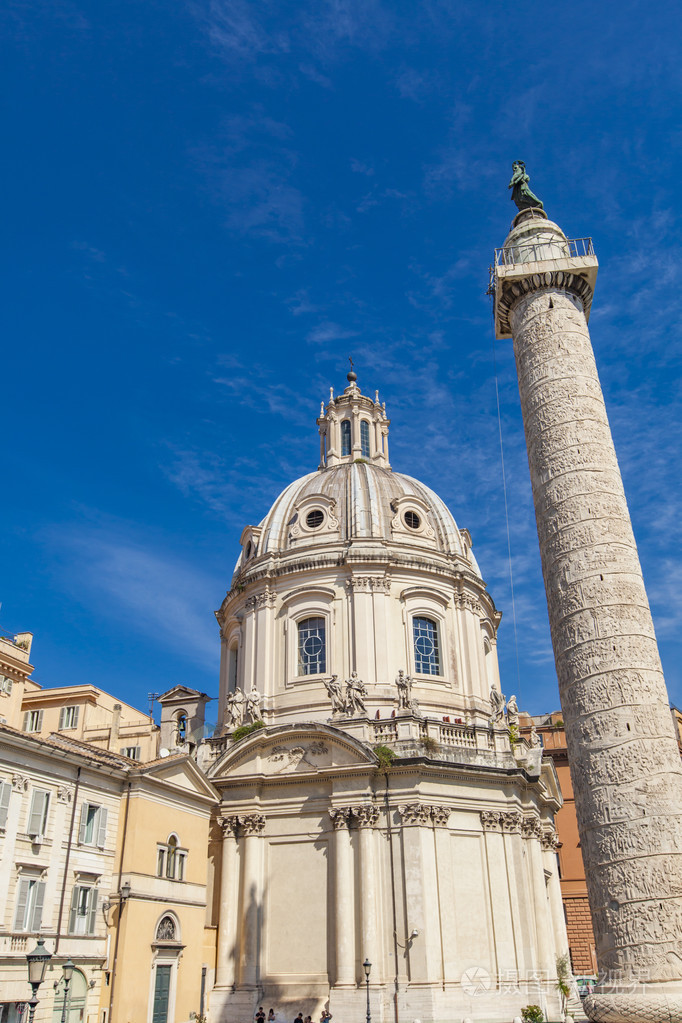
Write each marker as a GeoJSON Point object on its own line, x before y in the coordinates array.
{"type": "Point", "coordinates": [207, 206]}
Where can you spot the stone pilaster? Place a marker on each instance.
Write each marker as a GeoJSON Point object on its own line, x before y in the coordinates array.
{"type": "Point", "coordinates": [252, 826]}
{"type": "Point", "coordinates": [344, 901]}
{"type": "Point", "coordinates": [227, 932]}
{"type": "Point", "coordinates": [365, 817]}
{"type": "Point", "coordinates": [625, 763]}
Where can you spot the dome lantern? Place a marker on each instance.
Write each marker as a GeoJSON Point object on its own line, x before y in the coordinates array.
{"type": "Point", "coordinates": [353, 428]}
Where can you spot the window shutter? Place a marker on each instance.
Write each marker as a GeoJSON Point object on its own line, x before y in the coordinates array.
{"type": "Point", "coordinates": [27, 715]}
{"type": "Point", "coordinates": [83, 830]}
{"type": "Point", "coordinates": [5, 791]}
{"type": "Point", "coordinates": [22, 898]}
{"type": "Point", "coordinates": [38, 906]}
{"type": "Point", "coordinates": [76, 712]}
{"type": "Point", "coordinates": [92, 911]}
{"type": "Point", "coordinates": [35, 817]}
{"type": "Point", "coordinates": [102, 827]}
{"type": "Point", "coordinates": [74, 909]}
{"type": "Point", "coordinates": [62, 718]}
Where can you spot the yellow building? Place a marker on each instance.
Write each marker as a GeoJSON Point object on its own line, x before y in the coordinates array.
{"type": "Point", "coordinates": [162, 951]}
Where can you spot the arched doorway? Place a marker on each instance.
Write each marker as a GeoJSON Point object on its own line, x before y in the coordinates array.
{"type": "Point", "coordinates": [75, 999]}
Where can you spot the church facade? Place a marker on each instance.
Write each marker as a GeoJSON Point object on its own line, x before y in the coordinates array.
{"type": "Point", "coordinates": [382, 832]}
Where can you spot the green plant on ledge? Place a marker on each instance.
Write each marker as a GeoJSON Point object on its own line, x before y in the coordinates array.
{"type": "Point", "coordinates": [532, 1014]}
{"type": "Point", "coordinates": [563, 978]}
{"type": "Point", "coordinates": [428, 744]}
{"type": "Point", "coordinates": [514, 736]}
{"type": "Point", "coordinates": [243, 730]}
{"type": "Point", "coordinates": [385, 756]}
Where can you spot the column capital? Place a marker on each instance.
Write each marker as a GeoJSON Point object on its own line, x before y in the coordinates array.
{"type": "Point", "coordinates": [340, 816]}
{"type": "Point", "coordinates": [550, 840]}
{"type": "Point", "coordinates": [365, 815]}
{"type": "Point", "coordinates": [424, 813]}
{"type": "Point", "coordinates": [252, 823]}
{"type": "Point", "coordinates": [228, 824]}
{"type": "Point", "coordinates": [531, 827]}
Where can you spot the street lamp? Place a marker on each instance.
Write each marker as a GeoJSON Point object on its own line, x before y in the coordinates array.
{"type": "Point", "coordinates": [367, 966]}
{"type": "Point", "coordinates": [37, 965]}
{"type": "Point", "coordinates": [67, 974]}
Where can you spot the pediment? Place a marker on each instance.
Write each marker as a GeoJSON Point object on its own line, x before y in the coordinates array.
{"type": "Point", "coordinates": [289, 750]}
{"type": "Point", "coordinates": [181, 773]}
{"type": "Point", "coordinates": [180, 692]}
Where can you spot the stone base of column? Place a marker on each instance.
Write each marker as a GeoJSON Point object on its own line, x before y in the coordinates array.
{"type": "Point", "coordinates": [634, 1008]}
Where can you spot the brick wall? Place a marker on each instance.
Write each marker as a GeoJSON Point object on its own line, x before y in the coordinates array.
{"type": "Point", "coordinates": [580, 935]}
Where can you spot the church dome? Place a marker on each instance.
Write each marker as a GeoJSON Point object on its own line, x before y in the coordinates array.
{"type": "Point", "coordinates": [355, 496]}
{"type": "Point", "coordinates": [360, 501]}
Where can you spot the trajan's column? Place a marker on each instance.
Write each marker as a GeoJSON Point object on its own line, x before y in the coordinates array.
{"type": "Point", "coordinates": [625, 763]}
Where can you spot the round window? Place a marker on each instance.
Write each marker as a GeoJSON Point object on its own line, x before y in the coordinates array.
{"type": "Point", "coordinates": [412, 520]}
{"type": "Point", "coordinates": [314, 518]}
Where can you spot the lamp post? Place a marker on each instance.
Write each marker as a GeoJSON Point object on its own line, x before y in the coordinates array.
{"type": "Point", "coordinates": [67, 974]}
{"type": "Point", "coordinates": [37, 961]}
{"type": "Point", "coordinates": [367, 967]}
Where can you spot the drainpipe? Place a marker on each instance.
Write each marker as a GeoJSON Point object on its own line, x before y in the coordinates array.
{"type": "Point", "coordinates": [66, 864]}
{"type": "Point", "coordinates": [120, 905]}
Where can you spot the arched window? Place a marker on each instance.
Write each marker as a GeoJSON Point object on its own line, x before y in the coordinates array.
{"type": "Point", "coordinates": [232, 668]}
{"type": "Point", "coordinates": [182, 728]}
{"type": "Point", "coordinates": [426, 646]}
{"type": "Point", "coordinates": [345, 436]}
{"type": "Point", "coordinates": [364, 438]}
{"type": "Point", "coordinates": [166, 930]}
{"type": "Point", "coordinates": [312, 659]}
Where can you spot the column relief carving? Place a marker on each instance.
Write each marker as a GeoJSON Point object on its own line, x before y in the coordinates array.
{"type": "Point", "coordinates": [550, 840]}
{"type": "Point", "coordinates": [508, 821]}
{"type": "Point", "coordinates": [228, 825]}
{"type": "Point", "coordinates": [253, 823]}
{"type": "Point", "coordinates": [531, 827]}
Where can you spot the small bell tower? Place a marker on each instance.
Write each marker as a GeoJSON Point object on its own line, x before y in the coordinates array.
{"type": "Point", "coordinates": [353, 428]}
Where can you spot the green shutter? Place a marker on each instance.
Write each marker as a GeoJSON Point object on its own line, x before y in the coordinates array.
{"type": "Point", "coordinates": [22, 898]}
{"type": "Point", "coordinates": [5, 792]}
{"type": "Point", "coordinates": [38, 906]}
{"type": "Point", "coordinates": [102, 827]}
{"type": "Point", "coordinates": [92, 911]}
{"type": "Point", "coordinates": [35, 817]}
{"type": "Point", "coordinates": [73, 912]}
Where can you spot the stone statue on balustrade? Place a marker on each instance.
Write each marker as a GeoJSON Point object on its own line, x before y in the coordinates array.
{"type": "Point", "coordinates": [253, 699]}
{"type": "Point", "coordinates": [496, 706]}
{"type": "Point", "coordinates": [534, 738]}
{"type": "Point", "coordinates": [521, 193]}
{"type": "Point", "coordinates": [356, 691]}
{"type": "Point", "coordinates": [512, 713]}
{"type": "Point", "coordinates": [235, 708]}
{"type": "Point", "coordinates": [403, 684]}
{"type": "Point", "coordinates": [335, 693]}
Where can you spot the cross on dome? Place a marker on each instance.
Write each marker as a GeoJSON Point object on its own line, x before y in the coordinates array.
{"type": "Point", "coordinates": [353, 427]}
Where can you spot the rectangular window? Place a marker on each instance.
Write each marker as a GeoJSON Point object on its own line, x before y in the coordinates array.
{"type": "Point", "coordinates": [30, 897]}
{"type": "Point", "coordinates": [93, 826]}
{"type": "Point", "coordinates": [37, 818]}
{"type": "Point", "coordinates": [364, 438]}
{"type": "Point", "coordinates": [133, 752]}
{"type": "Point", "coordinates": [5, 793]}
{"type": "Point", "coordinates": [5, 684]}
{"type": "Point", "coordinates": [83, 915]}
{"type": "Point", "coordinates": [33, 720]}
{"type": "Point", "coordinates": [68, 717]}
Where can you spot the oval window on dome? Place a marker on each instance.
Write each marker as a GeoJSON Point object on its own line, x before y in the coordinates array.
{"type": "Point", "coordinates": [314, 519]}
{"type": "Point", "coordinates": [412, 520]}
